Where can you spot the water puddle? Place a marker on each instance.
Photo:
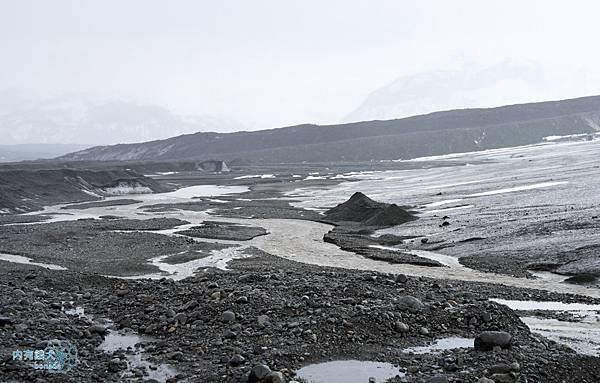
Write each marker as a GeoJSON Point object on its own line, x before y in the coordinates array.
{"type": "Point", "coordinates": [131, 344]}
{"type": "Point", "coordinates": [79, 312]}
{"type": "Point", "coordinates": [445, 260]}
{"type": "Point", "coordinates": [219, 259]}
{"type": "Point", "coordinates": [203, 191]}
{"type": "Point", "coordinates": [583, 337]}
{"type": "Point", "coordinates": [28, 261]}
{"type": "Point", "coordinates": [548, 276]}
{"type": "Point", "coordinates": [348, 371]}
{"type": "Point", "coordinates": [582, 334]}
{"type": "Point", "coordinates": [551, 306]}
{"type": "Point", "coordinates": [442, 345]}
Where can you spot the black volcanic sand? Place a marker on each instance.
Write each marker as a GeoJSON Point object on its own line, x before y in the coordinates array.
{"type": "Point", "coordinates": [283, 314]}
{"type": "Point", "coordinates": [93, 246]}
{"type": "Point", "coordinates": [224, 230]}
{"type": "Point", "coordinates": [109, 202]}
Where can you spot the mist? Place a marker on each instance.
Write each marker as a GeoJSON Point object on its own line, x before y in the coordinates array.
{"type": "Point", "coordinates": [263, 64]}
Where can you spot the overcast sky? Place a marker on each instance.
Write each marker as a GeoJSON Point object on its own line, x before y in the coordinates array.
{"type": "Point", "coordinates": [277, 62]}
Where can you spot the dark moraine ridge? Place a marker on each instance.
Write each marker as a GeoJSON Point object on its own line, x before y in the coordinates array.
{"type": "Point", "coordinates": [437, 133]}
{"type": "Point", "coordinates": [357, 218]}
{"type": "Point", "coordinates": [29, 190]}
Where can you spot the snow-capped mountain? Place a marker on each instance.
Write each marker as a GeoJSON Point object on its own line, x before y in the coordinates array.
{"type": "Point", "coordinates": [77, 119]}
{"type": "Point", "coordinates": [470, 87]}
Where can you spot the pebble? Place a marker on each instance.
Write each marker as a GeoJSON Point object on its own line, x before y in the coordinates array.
{"type": "Point", "coordinates": [259, 372]}
{"type": "Point", "coordinates": [228, 316]}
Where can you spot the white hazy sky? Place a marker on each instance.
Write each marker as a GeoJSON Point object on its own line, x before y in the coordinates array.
{"type": "Point", "coordinates": [270, 63]}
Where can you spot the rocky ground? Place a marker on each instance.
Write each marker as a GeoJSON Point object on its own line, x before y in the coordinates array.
{"type": "Point", "coordinates": [104, 246]}
{"type": "Point", "coordinates": [265, 317]}
{"type": "Point", "coordinates": [217, 326]}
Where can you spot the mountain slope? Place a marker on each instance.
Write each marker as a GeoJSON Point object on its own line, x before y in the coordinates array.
{"type": "Point", "coordinates": [431, 134]}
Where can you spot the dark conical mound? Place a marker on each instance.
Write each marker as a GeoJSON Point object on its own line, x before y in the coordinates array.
{"type": "Point", "coordinates": [360, 208]}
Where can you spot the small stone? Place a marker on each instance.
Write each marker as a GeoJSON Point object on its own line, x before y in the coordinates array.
{"type": "Point", "coordinates": [228, 316]}
{"type": "Point", "coordinates": [259, 372]}
{"type": "Point", "coordinates": [401, 327]}
{"type": "Point", "coordinates": [424, 331]}
{"type": "Point", "coordinates": [401, 278]}
{"type": "Point", "coordinates": [263, 321]}
{"type": "Point", "coordinates": [216, 295]}
{"type": "Point", "coordinates": [242, 299]}
{"type": "Point", "coordinates": [228, 334]}
{"type": "Point", "coordinates": [116, 365]}
{"type": "Point", "coordinates": [5, 321]}
{"type": "Point", "coordinates": [274, 377]}
{"type": "Point", "coordinates": [237, 360]}
{"type": "Point", "coordinates": [177, 355]}
{"type": "Point", "coordinates": [97, 329]}
{"type": "Point", "coordinates": [180, 318]}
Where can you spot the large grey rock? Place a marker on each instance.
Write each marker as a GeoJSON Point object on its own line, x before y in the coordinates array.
{"type": "Point", "coordinates": [97, 329]}
{"type": "Point", "coordinates": [259, 372]}
{"type": "Point", "coordinates": [410, 303]}
{"type": "Point", "coordinates": [487, 340]}
{"type": "Point", "coordinates": [275, 377]}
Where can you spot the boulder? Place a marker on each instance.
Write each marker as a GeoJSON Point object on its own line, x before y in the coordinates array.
{"type": "Point", "coordinates": [410, 303]}
{"type": "Point", "coordinates": [487, 340]}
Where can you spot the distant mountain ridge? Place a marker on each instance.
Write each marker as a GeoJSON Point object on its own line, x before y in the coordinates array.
{"type": "Point", "coordinates": [25, 152]}
{"type": "Point", "coordinates": [425, 135]}
{"type": "Point", "coordinates": [472, 86]}
{"type": "Point", "coordinates": [80, 119]}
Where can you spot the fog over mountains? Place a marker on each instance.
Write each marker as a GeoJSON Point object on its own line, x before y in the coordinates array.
{"type": "Point", "coordinates": [504, 83]}
{"type": "Point", "coordinates": [84, 120]}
